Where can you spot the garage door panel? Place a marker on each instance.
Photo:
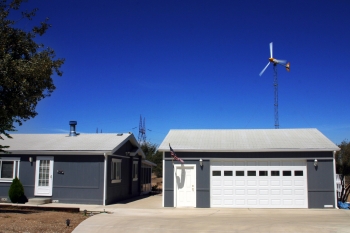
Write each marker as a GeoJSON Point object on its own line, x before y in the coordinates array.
{"type": "Point", "coordinates": [275, 183]}
{"type": "Point", "coordinates": [216, 183]}
{"type": "Point", "coordinates": [299, 183]}
{"type": "Point", "coordinates": [228, 183]}
{"type": "Point", "coordinates": [264, 201]}
{"type": "Point", "coordinates": [270, 184]}
{"type": "Point", "coordinates": [299, 191]}
{"type": "Point", "coordinates": [228, 202]}
{"type": "Point", "coordinates": [240, 202]}
{"type": "Point", "coordinates": [275, 191]}
{"type": "Point", "coordinates": [251, 192]}
{"type": "Point", "coordinates": [287, 191]}
{"type": "Point", "coordinates": [263, 183]}
{"type": "Point", "coordinates": [251, 183]}
{"type": "Point", "coordinates": [251, 201]}
{"type": "Point", "coordinates": [275, 202]}
{"type": "Point", "coordinates": [228, 192]}
{"type": "Point", "coordinates": [240, 191]}
{"type": "Point", "coordinates": [240, 183]}
{"type": "Point", "coordinates": [263, 191]}
{"type": "Point", "coordinates": [286, 183]}
{"type": "Point", "coordinates": [288, 202]}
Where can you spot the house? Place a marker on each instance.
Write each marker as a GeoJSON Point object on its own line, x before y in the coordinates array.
{"type": "Point", "coordinates": [76, 168]}
{"type": "Point", "coordinates": [257, 168]}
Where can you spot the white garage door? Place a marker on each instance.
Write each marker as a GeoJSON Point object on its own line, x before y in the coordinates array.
{"type": "Point", "coordinates": [258, 184]}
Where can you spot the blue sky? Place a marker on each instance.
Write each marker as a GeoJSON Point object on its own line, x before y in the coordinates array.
{"type": "Point", "coordinates": [195, 65]}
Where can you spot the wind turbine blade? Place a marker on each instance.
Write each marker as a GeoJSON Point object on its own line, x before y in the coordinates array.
{"type": "Point", "coordinates": [264, 69]}
{"type": "Point", "coordinates": [271, 50]}
{"type": "Point", "coordinates": [281, 61]}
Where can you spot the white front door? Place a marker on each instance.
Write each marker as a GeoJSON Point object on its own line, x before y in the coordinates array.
{"type": "Point", "coordinates": [185, 182]}
{"type": "Point", "coordinates": [43, 176]}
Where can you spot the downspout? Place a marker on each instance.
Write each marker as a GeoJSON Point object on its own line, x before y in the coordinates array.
{"type": "Point", "coordinates": [335, 182]}
{"type": "Point", "coordinates": [163, 190]}
{"type": "Point", "coordinates": [104, 178]}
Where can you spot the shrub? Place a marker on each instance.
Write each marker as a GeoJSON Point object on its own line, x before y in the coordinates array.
{"type": "Point", "coordinates": [16, 191]}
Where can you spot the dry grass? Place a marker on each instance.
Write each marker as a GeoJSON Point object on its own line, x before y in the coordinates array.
{"type": "Point", "coordinates": [32, 221]}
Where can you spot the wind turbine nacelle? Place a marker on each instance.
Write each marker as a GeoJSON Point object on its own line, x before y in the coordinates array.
{"type": "Point", "coordinates": [288, 66]}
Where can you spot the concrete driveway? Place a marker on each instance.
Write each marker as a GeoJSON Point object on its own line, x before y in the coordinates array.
{"type": "Point", "coordinates": [147, 215]}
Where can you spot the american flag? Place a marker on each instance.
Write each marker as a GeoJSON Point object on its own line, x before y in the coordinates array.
{"type": "Point", "coordinates": [172, 152]}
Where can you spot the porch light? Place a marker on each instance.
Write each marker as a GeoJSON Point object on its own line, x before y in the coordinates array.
{"type": "Point", "coordinates": [201, 162]}
{"type": "Point", "coordinates": [31, 159]}
{"type": "Point", "coordinates": [68, 222]}
{"type": "Point", "coordinates": [315, 163]}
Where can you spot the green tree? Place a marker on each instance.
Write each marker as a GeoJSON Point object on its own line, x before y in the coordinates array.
{"type": "Point", "coordinates": [150, 150]}
{"type": "Point", "coordinates": [342, 158]}
{"type": "Point", "coordinates": [26, 68]}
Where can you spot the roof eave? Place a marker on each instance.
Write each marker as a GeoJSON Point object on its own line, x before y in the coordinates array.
{"type": "Point", "coordinates": [255, 150]}
{"type": "Point", "coordinates": [56, 152]}
{"type": "Point", "coordinates": [133, 141]}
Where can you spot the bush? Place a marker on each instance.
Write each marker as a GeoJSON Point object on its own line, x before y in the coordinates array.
{"type": "Point", "coordinates": [16, 191]}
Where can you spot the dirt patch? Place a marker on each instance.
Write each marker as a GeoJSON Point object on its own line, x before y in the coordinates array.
{"type": "Point", "coordinates": [31, 220]}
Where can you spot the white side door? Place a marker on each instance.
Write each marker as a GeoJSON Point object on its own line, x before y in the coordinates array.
{"type": "Point", "coordinates": [43, 176]}
{"type": "Point", "coordinates": [185, 182]}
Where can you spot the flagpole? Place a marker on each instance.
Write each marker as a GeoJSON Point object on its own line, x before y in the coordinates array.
{"type": "Point", "coordinates": [172, 158]}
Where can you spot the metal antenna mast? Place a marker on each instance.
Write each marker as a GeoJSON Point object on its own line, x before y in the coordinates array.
{"type": "Point", "coordinates": [142, 131]}
{"type": "Point", "coordinates": [275, 83]}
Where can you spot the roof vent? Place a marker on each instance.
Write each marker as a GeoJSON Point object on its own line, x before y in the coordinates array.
{"type": "Point", "coordinates": [72, 128]}
{"type": "Point", "coordinates": [119, 134]}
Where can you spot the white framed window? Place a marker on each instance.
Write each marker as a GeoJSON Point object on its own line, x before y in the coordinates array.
{"type": "Point", "coordinates": [9, 169]}
{"type": "Point", "coordinates": [135, 169]}
{"type": "Point", "coordinates": [116, 171]}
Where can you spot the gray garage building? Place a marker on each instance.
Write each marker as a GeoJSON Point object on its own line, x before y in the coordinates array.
{"type": "Point", "coordinates": [76, 168]}
{"type": "Point", "coordinates": [257, 168]}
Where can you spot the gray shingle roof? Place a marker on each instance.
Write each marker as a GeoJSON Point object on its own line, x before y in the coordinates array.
{"type": "Point", "coordinates": [62, 142]}
{"type": "Point", "coordinates": [247, 140]}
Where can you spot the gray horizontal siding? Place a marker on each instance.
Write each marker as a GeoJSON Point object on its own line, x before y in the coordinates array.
{"type": "Point", "coordinates": [81, 181]}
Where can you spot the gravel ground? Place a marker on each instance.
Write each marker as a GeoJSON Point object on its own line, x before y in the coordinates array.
{"type": "Point", "coordinates": [33, 221]}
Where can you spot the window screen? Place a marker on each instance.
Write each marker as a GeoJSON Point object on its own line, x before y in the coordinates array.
{"type": "Point", "coordinates": [7, 169]}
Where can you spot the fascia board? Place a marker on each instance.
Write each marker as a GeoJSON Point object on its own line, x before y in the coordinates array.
{"type": "Point", "coordinates": [133, 141]}
{"type": "Point", "coordinates": [51, 152]}
{"type": "Point", "coordinates": [254, 150]}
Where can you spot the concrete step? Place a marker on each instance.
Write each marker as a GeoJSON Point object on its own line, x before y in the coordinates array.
{"type": "Point", "coordinates": [38, 201]}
